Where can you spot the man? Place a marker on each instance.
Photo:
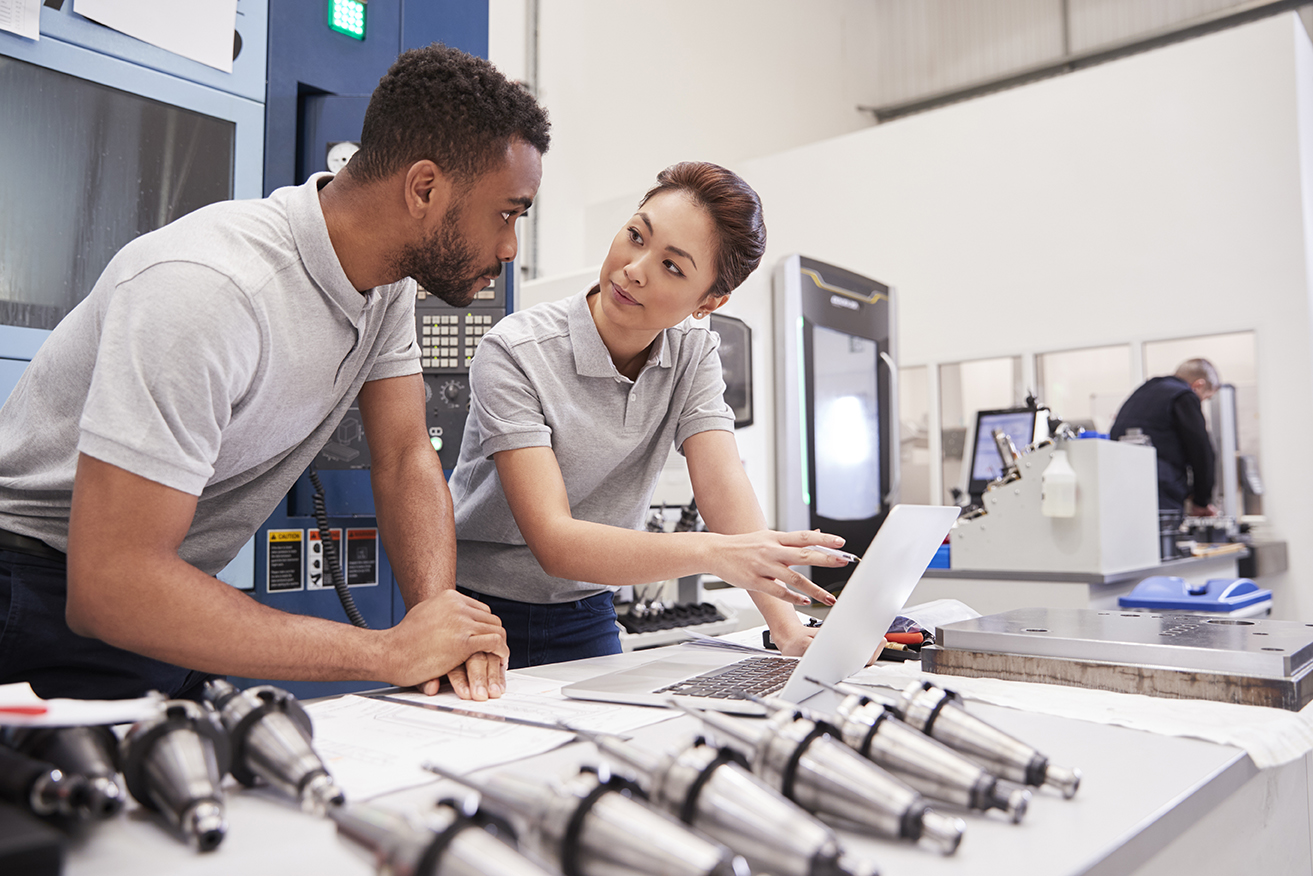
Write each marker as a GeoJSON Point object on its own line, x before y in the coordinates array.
{"type": "Point", "coordinates": [1169, 411]}
{"type": "Point", "coordinates": [166, 416]}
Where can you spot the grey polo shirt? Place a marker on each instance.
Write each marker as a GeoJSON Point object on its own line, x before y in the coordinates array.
{"type": "Point", "coordinates": [543, 378]}
{"type": "Point", "coordinates": [215, 356]}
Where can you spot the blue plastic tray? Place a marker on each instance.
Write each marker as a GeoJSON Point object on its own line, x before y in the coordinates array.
{"type": "Point", "coordinates": [1167, 593]}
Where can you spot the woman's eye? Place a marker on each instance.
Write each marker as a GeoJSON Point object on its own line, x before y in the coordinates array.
{"type": "Point", "coordinates": [673, 268]}
{"type": "Point", "coordinates": [634, 235]}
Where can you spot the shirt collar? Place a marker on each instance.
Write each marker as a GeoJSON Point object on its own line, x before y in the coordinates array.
{"type": "Point", "coordinates": [310, 232]}
{"type": "Point", "coordinates": [591, 358]}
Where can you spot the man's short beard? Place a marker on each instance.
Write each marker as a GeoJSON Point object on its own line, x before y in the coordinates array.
{"type": "Point", "coordinates": [443, 264]}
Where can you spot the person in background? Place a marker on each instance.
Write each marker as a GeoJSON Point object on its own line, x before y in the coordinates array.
{"type": "Point", "coordinates": [575, 407]}
{"type": "Point", "coordinates": [169, 412]}
{"type": "Point", "coordinates": [1169, 411]}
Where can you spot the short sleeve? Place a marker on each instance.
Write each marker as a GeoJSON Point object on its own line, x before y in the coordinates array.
{"type": "Point", "coordinates": [705, 408]}
{"type": "Point", "coordinates": [504, 403]}
{"type": "Point", "coordinates": [179, 347]}
{"type": "Point", "coordinates": [397, 345]}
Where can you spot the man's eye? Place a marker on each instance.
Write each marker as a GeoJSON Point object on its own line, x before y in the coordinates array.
{"type": "Point", "coordinates": [506, 215]}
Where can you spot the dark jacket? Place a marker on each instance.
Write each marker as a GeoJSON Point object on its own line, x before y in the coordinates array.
{"type": "Point", "coordinates": [1169, 412]}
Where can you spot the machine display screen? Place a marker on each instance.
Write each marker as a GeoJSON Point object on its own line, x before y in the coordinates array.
{"type": "Point", "coordinates": [1018, 425]}
{"type": "Point", "coordinates": [847, 425]}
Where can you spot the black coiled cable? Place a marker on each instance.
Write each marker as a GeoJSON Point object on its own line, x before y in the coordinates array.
{"type": "Point", "coordinates": [332, 564]}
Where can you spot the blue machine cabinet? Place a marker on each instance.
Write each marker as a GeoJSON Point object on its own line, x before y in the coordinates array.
{"type": "Point", "coordinates": [319, 87]}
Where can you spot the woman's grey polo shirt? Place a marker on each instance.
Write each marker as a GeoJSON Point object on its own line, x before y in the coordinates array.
{"type": "Point", "coordinates": [543, 378]}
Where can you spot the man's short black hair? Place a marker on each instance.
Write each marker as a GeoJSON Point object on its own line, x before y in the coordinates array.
{"type": "Point", "coordinates": [447, 106]}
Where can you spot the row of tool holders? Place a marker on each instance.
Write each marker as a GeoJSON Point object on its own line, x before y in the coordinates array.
{"type": "Point", "coordinates": [745, 796]}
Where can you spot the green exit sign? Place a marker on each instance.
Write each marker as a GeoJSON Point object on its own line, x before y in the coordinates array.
{"type": "Point", "coordinates": [348, 17]}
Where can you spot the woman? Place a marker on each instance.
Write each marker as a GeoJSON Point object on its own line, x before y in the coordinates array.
{"type": "Point", "coordinates": [575, 406]}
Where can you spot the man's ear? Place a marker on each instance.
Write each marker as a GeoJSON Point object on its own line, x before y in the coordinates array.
{"type": "Point", "coordinates": [427, 190]}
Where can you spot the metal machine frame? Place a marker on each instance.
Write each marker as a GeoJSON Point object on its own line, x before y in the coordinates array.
{"type": "Point", "coordinates": [810, 294]}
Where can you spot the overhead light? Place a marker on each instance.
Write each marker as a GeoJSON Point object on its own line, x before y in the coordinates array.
{"type": "Point", "coordinates": [347, 17]}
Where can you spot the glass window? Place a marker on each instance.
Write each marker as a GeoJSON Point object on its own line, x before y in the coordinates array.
{"type": "Point", "coordinates": [1234, 357]}
{"type": "Point", "coordinates": [89, 168]}
{"type": "Point", "coordinates": [964, 389]}
{"type": "Point", "coordinates": [1085, 387]}
{"type": "Point", "coordinates": [914, 435]}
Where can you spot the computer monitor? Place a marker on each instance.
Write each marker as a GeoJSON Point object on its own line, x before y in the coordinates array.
{"type": "Point", "coordinates": [986, 464]}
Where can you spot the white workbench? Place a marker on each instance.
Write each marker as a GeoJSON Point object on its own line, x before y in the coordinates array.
{"type": "Point", "coordinates": [1147, 804]}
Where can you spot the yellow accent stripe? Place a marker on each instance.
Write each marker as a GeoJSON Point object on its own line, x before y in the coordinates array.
{"type": "Point", "coordinates": [848, 293]}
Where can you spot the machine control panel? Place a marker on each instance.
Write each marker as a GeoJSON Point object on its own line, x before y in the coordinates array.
{"type": "Point", "coordinates": [448, 339]}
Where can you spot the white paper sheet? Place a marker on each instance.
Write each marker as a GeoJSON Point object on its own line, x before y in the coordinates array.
{"type": "Point", "coordinates": [198, 29]}
{"type": "Point", "coordinates": [373, 747]}
{"type": "Point", "coordinates": [540, 699]}
{"type": "Point", "coordinates": [1271, 736]}
{"type": "Point", "coordinates": [22, 17]}
{"type": "Point", "coordinates": [20, 706]}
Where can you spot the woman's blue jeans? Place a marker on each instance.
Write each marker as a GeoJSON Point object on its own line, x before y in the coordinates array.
{"type": "Point", "coordinates": [540, 633]}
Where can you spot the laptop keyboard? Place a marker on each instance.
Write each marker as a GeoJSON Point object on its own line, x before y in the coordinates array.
{"type": "Point", "coordinates": [760, 676]}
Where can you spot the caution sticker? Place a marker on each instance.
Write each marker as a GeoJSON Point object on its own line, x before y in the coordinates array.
{"type": "Point", "coordinates": [362, 557]}
{"type": "Point", "coordinates": [285, 560]}
{"type": "Point", "coordinates": [316, 568]}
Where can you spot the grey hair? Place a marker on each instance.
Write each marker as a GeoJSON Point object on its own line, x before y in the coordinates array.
{"type": "Point", "coordinates": [1193, 369]}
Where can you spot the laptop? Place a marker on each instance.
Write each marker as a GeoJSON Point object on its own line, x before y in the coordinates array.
{"type": "Point", "coordinates": [855, 625]}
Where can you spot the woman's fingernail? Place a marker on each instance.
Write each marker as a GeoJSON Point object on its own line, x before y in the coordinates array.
{"type": "Point", "coordinates": [836, 541]}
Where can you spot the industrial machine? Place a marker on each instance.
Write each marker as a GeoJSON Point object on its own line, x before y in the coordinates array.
{"type": "Point", "coordinates": [836, 404]}
{"type": "Point", "coordinates": [1108, 524]}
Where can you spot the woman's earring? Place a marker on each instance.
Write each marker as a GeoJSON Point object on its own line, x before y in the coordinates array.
{"type": "Point", "coordinates": [699, 314]}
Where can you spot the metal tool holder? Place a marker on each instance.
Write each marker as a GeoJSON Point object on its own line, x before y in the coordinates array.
{"type": "Point", "coordinates": [712, 790]}
{"type": "Point", "coordinates": [938, 713]}
{"type": "Point", "coordinates": [597, 824]}
{"type": "Point", "coordinates": [88, 752]}
{"type": "Point", "coordinates": [805, 761]}
{"type": "Point", "coordinates": [271, 742]}
{"type": "Point", "coordinates": [874, 731]}
{"type": "Point", "coordinates": [173, 764]}
{"type": "Point", "coordinates": [452, 841]}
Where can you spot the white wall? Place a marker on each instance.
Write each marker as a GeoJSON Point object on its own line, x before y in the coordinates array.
{"type": "Point", "coordinates": [1166, 194]}
{"type": "Point", "coordinates": [634, 87]}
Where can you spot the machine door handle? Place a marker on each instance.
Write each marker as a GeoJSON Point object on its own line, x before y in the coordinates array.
{"type": "Point", "coordinates": [895, 449]}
